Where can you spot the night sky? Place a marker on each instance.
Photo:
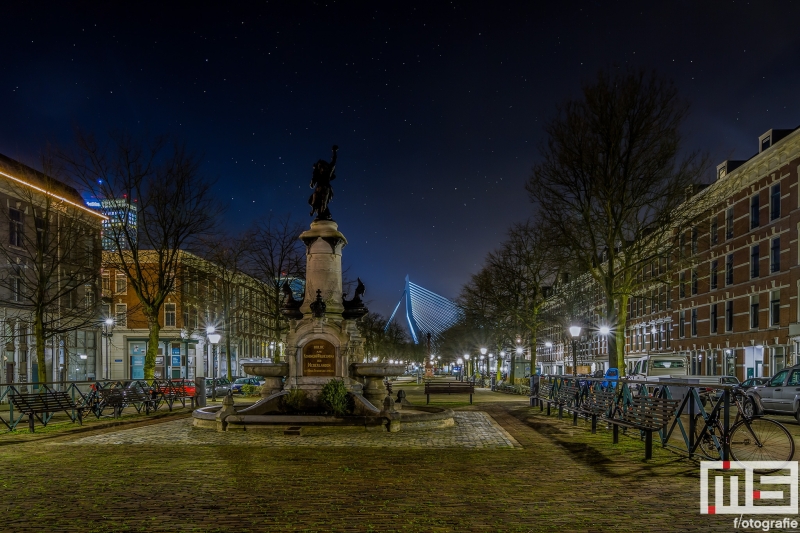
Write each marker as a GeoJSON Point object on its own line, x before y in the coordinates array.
{"type": "Point", "coordinates": [437, 107]}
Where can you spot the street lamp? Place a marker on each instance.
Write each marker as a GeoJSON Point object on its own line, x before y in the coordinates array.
{"type": "Point", "coordinates": [461, 368]}
{"type": "Point", "coordinates": [213, 338]}
{"type": "Point", "coordinates": [108, 328]}
{"type": "Point", "coordinates": [466, 358]}
{"type": "Point", "coordinates": [575, 331]}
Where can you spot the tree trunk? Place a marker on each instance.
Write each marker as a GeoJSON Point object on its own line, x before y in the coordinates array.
{"type": "Point", "coordinates": [533, 356]}
{"type": "Point", "coordinates": [152, 348]}
{"type": "Point", "coordinates": [511, 373]}
{"type": "Point", "coordinates": [622, 322]}
{"type": "Point", "coordinates": [38, 333]}
{"type": "Point", "coordinates": [613, 336]}
{"type": "Point", "coordinates": [228, 355]}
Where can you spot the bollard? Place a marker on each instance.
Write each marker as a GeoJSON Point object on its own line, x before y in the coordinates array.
{"type": "Point", "coordinates": [200, 391]}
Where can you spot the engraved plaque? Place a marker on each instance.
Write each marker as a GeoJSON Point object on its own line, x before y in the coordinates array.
{"type": "Point", "coordinates": [319, 358]}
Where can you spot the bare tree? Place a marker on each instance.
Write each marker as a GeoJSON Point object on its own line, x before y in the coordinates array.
{"type": "Point", "coordinates": [611, 182]}
{"type": "Point", "coordinates": [277, 256]}
{"type": "Point", "coordinates": [383, 342]}
{"type": "Point", "coordinates": [522, 269]}
{"type": "Point", "coordinates": [158, 204]}
{"type": "Point", "coordinates": [226, 259]}
{"type": "Point", "coordinates": [51, 263]}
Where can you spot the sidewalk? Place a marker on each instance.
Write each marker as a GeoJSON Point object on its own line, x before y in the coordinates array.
{"type": "Point", "coordinates": [562, 478]}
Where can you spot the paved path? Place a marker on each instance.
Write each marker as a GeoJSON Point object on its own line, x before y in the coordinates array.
{"type": "Point", "coordinates": [561, 479]}
{"type": "Point", "coordinates": [472, 430]}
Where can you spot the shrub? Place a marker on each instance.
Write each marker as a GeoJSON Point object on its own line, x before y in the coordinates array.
{"type": "Point", "coordinates": [334, 397]}
{"type": "Point", "coordinates": [294, 402]}
{"type": "Point", "coordinates": [251, 390]}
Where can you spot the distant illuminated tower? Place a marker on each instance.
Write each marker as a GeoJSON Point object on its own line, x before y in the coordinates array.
{"type": "Point", "coordinates": [121, 220]}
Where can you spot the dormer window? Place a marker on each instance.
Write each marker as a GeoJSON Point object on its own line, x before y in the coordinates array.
{"type": "Point", "coordinates": [766, 142]}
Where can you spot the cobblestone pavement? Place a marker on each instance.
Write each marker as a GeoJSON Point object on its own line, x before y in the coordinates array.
{"type": "Point", "coordinates": [562, 478]}
{"type": "Point", "coordinates": [472, 430]}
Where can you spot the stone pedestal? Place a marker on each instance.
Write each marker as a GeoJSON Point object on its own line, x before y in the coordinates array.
{"type": "Point", "coordinates": [319, 348]}
{"type": "Point", "coordinates": [324, 245]}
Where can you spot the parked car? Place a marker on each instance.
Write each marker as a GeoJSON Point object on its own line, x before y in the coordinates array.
{"type": "Point", "coordinates": [185, 386]}
{"type": "Point", "coordinates": [217, 387]}
{"type": "Point", "coordinates": [753, 382]}
{"type": "Point", "coordinates": [780, 395]}
{"type": "Point", "coordinates": [236, 388]}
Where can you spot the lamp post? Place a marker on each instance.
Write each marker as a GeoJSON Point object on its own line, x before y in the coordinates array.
{"type": "Point", "coordinates": [483, 351]}
{"type": "Point", "coordinates": [213, 338]}
{"type": "Point", "coordinates": [466, 358]}
{"type": "Point", "coordinates": [501, 358]}
{"type": "Point", "coordinates": [108, 328]}
{"type": "Point", "coordinates": [604, 331]}
{"type": "Point", "coordinates": [575, 331]}
{"type": "Point", "coordinates": [461, 368]}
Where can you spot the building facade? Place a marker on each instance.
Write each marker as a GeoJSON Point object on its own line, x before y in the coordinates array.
{"type": "Point", "coordinates": [198, 301]}
{"type": "Point", "coordinates": [49, 244]}
{"type": "Point", "coordinates": [728, 298]}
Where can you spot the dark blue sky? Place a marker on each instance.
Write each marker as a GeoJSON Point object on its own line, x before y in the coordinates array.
{"type": "Point", "coordinates": [437, 106]}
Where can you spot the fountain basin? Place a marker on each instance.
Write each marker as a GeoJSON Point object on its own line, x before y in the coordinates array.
{"type": "Point", "coordinates": [273, 374]}
{"type": "Point", "coordinates": [374, 374]}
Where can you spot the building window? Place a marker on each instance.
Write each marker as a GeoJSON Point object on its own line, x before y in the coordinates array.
{"type": "Point", "coordinates": [16, 283]}
{"type": "Point", "coordinates": [713, 311]}
{"type": "Point", "coordinates": [694, 322]}
{"type": "Point", "coordinates": [729, 223]}
{"type": "Point", "coordinates": [682, 285]}
{"type": "Point", "coordinates": [775, 255]}
{"type": "Point", "coordinates": [694, 281]}
{"type": "Point", "coordinates": [729, 269]}
{"type": "Point", "coordinates": [681, 323]}
{"type": "Point", "coordinates": [775, 201]}
{"type": "Point", "coordinates": [41, 233]}
{"type": "Point", "coordinates": [754, 311]}
{"type": "Point", "coordinates": [694, 240]}
{"type": "Point", "coordinates": [106, 284]}
{"type": "Point", "coordinates": [169, 315]}
{"type": "Point", "coordinates": [15, 227]}
{"type": "Point", "coordinates": [729, 315]}
{"type": "Point", "coordinates": [713, 275]}
{"type": "Point", "coordinates": [714, 230]}
{"type": "Point", "coordinates": [754, 222]}
{"type": "Point", "coordinates": [775, 308]}
{"type": "Point", "coordinates": [682, 245]}
{"type": "Point", "coordinates": [121, 315]}
{"type": "Point", "coordinates": [122, 284]}
{"type": "Point", "coordinates": [88, 296]}
{"type": "Point", "coordinates": [754, 257]}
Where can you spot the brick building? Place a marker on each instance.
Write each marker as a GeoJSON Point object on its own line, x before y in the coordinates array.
{"type": "Point", "coordinates": [728, 298]}
{"type": "Point", "coordinates": [196, 303]}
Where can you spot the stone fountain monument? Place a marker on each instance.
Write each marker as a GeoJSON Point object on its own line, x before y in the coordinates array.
{"type": "Point", "coordinates": [323, 341]}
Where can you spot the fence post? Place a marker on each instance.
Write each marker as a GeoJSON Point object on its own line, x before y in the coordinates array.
{"type": "Point", "coordinates": [726, 424]}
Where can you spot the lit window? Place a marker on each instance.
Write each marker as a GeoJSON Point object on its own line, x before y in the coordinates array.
{"type": "Point", "coordinates": [121, 315]}
{"type": "Point", "coordinates": [754, 311]}
{"type": "Point", "coordinates": [169, 315]}
{"type": "Point", "coordinates": [122, 284]}
{"type": "Point", "coordinates": [754, 218]}
{"type": "Point", "coordinates": [775, 201]}
{"type": "Point", "coordinates": [754, 259]}
{"type": "Point", "coordinates": [774, 308]}
{"type": "Point", "coordinates": [775, 255]}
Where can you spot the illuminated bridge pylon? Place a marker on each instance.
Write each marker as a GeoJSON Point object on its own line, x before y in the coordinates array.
{"type": "Point", "coordinates": [426, 312]}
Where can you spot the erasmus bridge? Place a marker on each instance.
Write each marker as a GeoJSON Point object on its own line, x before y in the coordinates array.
{"type": "Point", "coordinates": [426, 312]}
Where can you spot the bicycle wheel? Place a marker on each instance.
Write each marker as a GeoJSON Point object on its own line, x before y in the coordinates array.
{"type": "Point", "coordinates": [706, 445]}
{"type": "Point", "coordinates": [776, 444]}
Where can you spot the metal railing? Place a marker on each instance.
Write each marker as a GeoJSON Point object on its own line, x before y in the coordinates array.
{"type": "Point", "coordinates": [87, 397]}
{"type": "Point", "coordinates": [694, 399]}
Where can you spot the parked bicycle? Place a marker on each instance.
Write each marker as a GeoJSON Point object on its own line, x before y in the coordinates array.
{"type": "Point", "coordinates": [750, 438]}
